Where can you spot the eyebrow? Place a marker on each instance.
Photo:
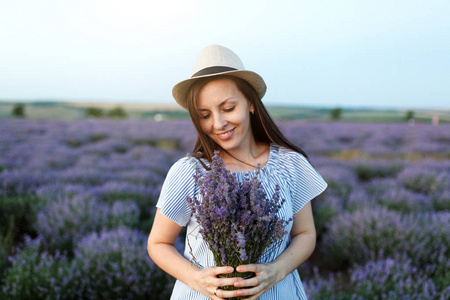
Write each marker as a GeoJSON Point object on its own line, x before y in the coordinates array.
{"type": "Point", "coordinates": [221, 104]}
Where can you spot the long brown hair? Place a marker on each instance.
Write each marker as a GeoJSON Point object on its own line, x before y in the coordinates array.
{"type": "Point", "coordinates": [263, 127]}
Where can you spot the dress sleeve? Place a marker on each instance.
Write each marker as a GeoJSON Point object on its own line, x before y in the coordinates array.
{"type": "Point", "coordinates": [178, 184]}
{"type": "Point", "coordinates": [305, 182]}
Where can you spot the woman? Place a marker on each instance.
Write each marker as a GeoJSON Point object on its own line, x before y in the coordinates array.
{"type": "Point", "coordinates": [224, 101]}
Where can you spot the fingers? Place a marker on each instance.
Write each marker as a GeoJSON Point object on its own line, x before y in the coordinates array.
{"type": "Point", "coordinates": [252, 293]}
{"type": "Point", "coordinates": [215, 293]}
{"type": "Point", "coordinates": [221, 282]}
{"type": "Point", "coordinates": [221, 270]}
{"type": "Point", "coordinates": [215, 282]}
{"type": "Point", "coordinates": [220, 293]}
{"type": "Point", "coordinates": [256, 286]}
{"type": "Point", "coordinates": [249, 268]}
{"type": "Point", "coordinates": [255, 281]}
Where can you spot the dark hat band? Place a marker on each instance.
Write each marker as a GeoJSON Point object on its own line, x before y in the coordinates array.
{"type": "Point", "coordinates": [212, 70]}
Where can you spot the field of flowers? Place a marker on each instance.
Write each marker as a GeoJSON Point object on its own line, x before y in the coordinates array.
{"type": "Point", "coordinates": [77, 201]}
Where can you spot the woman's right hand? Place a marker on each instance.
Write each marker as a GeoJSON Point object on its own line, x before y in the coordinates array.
{"type": "Point", "coordinates": [161, 249]}
{"type": "Point", "coordinates": [207, 282]}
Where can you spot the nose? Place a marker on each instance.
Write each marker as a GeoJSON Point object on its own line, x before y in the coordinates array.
{"type": "Point", "coordinates": [219, 122]}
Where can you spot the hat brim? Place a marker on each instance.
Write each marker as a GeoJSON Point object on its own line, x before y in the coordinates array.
{"type": "Point", "coordinates": [181, 89]}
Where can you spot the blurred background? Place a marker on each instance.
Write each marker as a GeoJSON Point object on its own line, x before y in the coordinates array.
{"type": "Point", "coordinates": [346, 54]}
{"type": "Point", "coordinates": [89, 129]}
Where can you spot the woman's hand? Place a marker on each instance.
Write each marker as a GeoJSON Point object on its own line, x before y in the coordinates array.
{"type": "Point", "coordinates": [207, 282]}
{"type": "Point", "coordinates": [303, 241]}
{"type": "Point", "coordinates": [266, 277]}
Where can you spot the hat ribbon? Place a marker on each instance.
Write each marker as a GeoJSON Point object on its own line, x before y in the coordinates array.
{"type": "Point", "coordinates": [212, 70]}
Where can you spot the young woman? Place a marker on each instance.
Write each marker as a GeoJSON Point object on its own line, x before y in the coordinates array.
{"type": "Point", "coordinates": [224, 101]}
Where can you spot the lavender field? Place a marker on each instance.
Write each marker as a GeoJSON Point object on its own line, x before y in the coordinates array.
{"type": "Point", "coordinates": [77, 201]}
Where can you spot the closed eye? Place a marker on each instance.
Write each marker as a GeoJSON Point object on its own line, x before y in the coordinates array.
{"type": "Point", "coordinates": [229, 109]}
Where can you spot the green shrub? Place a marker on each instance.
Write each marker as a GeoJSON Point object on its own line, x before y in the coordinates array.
{"type": "Point", "coordinates": [335, 114]}
{"type": "Point", "coordinates": [377, 169]}
{"type": "Point", "coordinates": [117, 112]}
{"type": "Point", "coordinates": [94, 112]}
{"type": "Point", "coordinates": [21, 210]}
{"type": "Point", "coordinates": [441, 200]}
{"type": "Point", "coordinates": [6, 246]}
{"type": "Point", "coordinates": [325, 209]}
{"type": "Point", "coordinates": [18, 110]}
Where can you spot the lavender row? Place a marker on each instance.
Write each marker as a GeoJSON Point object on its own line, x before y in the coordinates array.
{"type": "Point", "coordinates": [60, 141]}
{"type": "Point", "coordinates": [386, 278]}
{"type": "Point", "coordinates": [110, 264]}
{"type": "Point", "coordinates": [370, 138]}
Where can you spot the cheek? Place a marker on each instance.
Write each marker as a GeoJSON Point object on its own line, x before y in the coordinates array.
{"type": "Point", "coordinates": [245, 119]}
{"type": "Point", "coordinates": [205, 127]}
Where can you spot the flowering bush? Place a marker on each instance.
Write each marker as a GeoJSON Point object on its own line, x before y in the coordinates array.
{"type": "Point", "coordinates": [334, 175]}
{"type": "Point", "coordinates": [391, 194]}
{"type": "Point", "coordinates": [419, 180]}
{"type": "Point", "coordinates": [38, 275]}
{"type": "Point", "coordinates": [63, 222]}
{"type": "Point", "coordinates": [236, 219]}
{"type": "Point", "coordinates": [114, 265]}
{"type": "Point", "coordinates": [388, 278]}
{"type": "Point", "coordinates": [392, 279]}
{"type": "Point", "coordinates": [371, 233]}
{"type": "Point", "coordinates": [20, 182]}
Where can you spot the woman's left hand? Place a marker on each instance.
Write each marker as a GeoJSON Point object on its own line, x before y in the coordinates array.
{"type": "Point", "coordinates": [266, 277]}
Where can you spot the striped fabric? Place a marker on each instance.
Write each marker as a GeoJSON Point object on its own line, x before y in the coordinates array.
{"type": "Point", "coordinates": [298, 182]}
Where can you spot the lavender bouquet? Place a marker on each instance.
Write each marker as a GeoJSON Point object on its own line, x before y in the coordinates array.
{"type": "Point", "coordinates": [236, 219]}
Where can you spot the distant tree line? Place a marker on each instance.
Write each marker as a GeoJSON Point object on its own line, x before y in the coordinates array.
{"type": "Point", "coordinates": [18, 111]}
{"type": "Point", "coordinates": [336, 115]}
{"type": "Point", "coordinates": [116, 112]}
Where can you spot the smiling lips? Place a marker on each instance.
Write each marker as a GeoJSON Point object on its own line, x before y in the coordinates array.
{"type": "Point", "coordinates": [226, 135]}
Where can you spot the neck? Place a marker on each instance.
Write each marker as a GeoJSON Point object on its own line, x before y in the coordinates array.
{"type": "Point", "coordinates": [241, 160]}
{"type": "Point", "coordinates": [254, 157]}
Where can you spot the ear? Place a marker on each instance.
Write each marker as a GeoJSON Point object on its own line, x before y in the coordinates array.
{"type": "Point", "coordinates": [252, 109]}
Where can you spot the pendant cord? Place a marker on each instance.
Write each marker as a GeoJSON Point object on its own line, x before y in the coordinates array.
{"type": "Point", "coordinates": [256, 167]}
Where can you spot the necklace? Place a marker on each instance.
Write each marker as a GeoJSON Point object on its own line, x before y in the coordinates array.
{"type": "Point", "coordinates": [256, 167]}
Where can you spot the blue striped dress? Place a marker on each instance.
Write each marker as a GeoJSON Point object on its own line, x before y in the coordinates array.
{"type": "Point", "coordinates": [299, 182]}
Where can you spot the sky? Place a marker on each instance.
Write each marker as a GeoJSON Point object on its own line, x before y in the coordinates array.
{"type": "Point", "coordinates": [335, 53]}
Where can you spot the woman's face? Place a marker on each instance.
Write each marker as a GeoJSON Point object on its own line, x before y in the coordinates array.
{"type": "Point", "coordinates": [225, 114]}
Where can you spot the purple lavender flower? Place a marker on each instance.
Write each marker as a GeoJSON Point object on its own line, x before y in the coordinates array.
{"type": "Point", "coordinates": [236, 219]}
{"type": "Point", "coordinates": [113, 264]}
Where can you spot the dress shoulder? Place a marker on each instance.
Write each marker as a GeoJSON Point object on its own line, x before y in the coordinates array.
{"type": "Point", "coordinates": [178, 184]}
{"type": "Point", "coordinates": [304, 181]}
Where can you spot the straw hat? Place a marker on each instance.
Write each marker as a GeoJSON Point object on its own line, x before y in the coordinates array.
{"type": "Point", "coordinates": [216, 60]}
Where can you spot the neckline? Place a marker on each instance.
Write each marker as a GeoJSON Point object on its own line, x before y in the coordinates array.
{"type": "Point", "coordinates": [269, 161]}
